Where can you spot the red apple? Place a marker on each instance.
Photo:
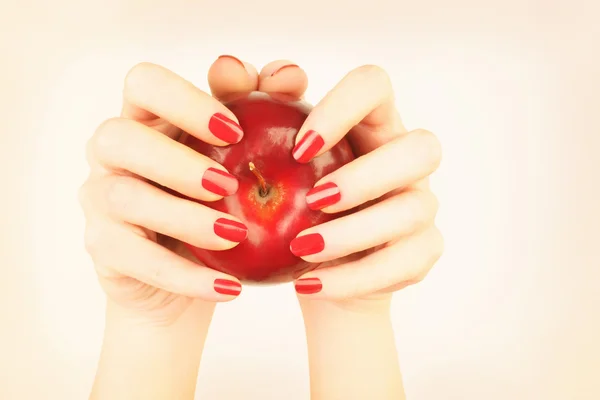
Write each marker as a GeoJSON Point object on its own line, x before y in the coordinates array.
{"type": "Point", "coordinates": [277, 212]}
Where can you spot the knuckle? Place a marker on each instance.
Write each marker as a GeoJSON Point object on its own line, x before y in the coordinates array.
{"type": "Point", "coordinates": [418, 277]}
{"type": "Point", "coordinates": [108, 137]}
{"type": "Point", "coordinates": [372, 71]}
{"type": "Point", "coordinates": [94, 239]}
{"type": "Point", "coordinates": [434, 203]}
{"type": "Point", "coordinates": [89, 150]}
{"type": "Point", "coordinates": [436, 243]}
{"type": "Point", "coordinates": [138, 76]}
{"type": "Point", "coordinates": [83, 194]}
{"type": "Point", "coordinates": [120, 195]}
{"type": "Point", "coordinates": [431, 147]}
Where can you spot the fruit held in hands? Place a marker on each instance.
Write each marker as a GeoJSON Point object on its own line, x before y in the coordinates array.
{"type": "Point", "coordinates": [272, 188]}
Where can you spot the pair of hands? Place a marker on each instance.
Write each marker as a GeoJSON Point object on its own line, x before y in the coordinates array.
{"type": "Point", "coordinates": [135, 230]}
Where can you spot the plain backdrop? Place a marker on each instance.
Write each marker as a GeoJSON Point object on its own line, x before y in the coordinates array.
{"type": "Point", "coordinates": [511, 89]}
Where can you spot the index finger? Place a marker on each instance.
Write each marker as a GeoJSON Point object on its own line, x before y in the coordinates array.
{"type": "Point", "coordinates": [364, 96]}
{"type": "Point", "coordinates": [153, 91]}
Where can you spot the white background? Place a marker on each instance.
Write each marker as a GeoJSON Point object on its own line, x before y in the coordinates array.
{"type": "Point", "coordinates": [511, 89]}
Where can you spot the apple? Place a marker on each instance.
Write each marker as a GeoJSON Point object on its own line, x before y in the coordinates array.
{"type": "Point", "coordinates": [271, 198]}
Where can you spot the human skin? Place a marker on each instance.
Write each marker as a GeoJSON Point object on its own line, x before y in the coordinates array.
{"type": "Point", "coordinates": [159, 297]}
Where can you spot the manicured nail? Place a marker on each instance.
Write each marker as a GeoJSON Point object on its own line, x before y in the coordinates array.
{"type": "Point", "coordinates": [233, 58]}
{"type": "Point", "coordinates": [323, 196]}
{"type": "Point", "coordinates": [284, 67]}
{"type": "Point", "coordinates": [307, 245]}
{"type": "Point", "coordinates": [308, 285]}
{"type": "Point", "coordinates": [308, 147]}
{"type": "Point", "coordinates": [225, 128]}
{"type": "Point", "coordinates": [225, 286]}
{"type": "Point", "coordinates": [219, 182]}
{"type": "Point", "coordinates": [230, 230]}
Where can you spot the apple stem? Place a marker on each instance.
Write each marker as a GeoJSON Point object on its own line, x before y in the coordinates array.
{"type": "Point", "coordinates": [264, 188]}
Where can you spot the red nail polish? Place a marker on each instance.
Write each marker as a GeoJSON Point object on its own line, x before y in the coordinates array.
{"type": "Point", "coordinates": [323, 195]}
{"type": "Point", "coordinates": [230, 230]}
{"type": "Point", "coordinates": [308, 285]}
{"type": "Point", "coordinates": [219, 182]}
{"type": "Point", "coordinates": [225, 128]}
{"type": "Point", "coordinates": [232, 58]}
{"type": "Point", "coordinates": [308, 147]}
{"type": "Point", "coordinates": [307, 245]}
{"type": "Point", "coordinates": [284, 67]}
{"type": "Point", "coordinates": [225, 286]}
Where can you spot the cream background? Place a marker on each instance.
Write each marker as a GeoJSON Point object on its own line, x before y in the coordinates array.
{"type": "Point", "coordinates": [510, 87]}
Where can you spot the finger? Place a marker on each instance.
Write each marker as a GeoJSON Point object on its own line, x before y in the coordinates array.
{"type": "Point", "coordinates": [136, 202]}
{"type": "Point", "coordinates": [404, 261]}
{"type": "Point", "coordinates": [397, 164]}
{"type": "Point", "coordinates": [123, 144]}
{"type": "Point", "coordinates": [229, 75]}
{"type": "Point", "coordinates": [130, 254]}
{"type": "Point", "coordinates": [285, 77]}
{"type": "Point", "coordinates": [363, 96]}
{"type": "Point", "coordinates": [153, 91]}
{"type": "Point", "coordinates": [381, 223]}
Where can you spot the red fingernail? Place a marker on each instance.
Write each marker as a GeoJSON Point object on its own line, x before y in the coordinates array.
{"type": "Point", "coordinates": [233, 58]}
{"type": "Point", "coordinates": [284, 67]}
{"type": "Point", "coordinates": [219, 182]}
{"type": "Point", "coordinates": [225, 286]}
{"type": "Point", "coordinates": [230, 230]}
{"type": "Point", "coordinates": [323, 195]}
{"type": "Point", "coordinates": [225, 128]}
{"type": "Point", "coordinates": [308, 285]}
{"type": "Point", "coordinates": [308, 147]}
{"type": "Point", "coordinates": [308, 244]}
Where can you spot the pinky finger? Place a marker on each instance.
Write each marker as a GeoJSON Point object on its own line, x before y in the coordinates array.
{"type": "Point", "coordinates": [133, 255]}
{"type": "Point", "coordinates": [402, 263]}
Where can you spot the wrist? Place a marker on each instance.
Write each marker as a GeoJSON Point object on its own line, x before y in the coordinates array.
{"type": "Point", "coordinates": [352, 350]}
{"type": "Point", "coordinates": [142, 358]}
{"type": "Point", "coordinates": [374, 306]}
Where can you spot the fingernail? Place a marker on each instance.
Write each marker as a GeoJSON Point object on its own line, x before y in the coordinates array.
{"type": "Point", "coordinates": [306, 245]}
{"type": "Point", "coordinates": [225, 286]}
{"type": "Point", "coordinates": [230, 230]}
{"type": "Point", "coordinates": [323, 196]}
{"type": "Point", "coordinates": [225, 128]}
{"type": "Point", "coordinates": [232, 58]}
{"type": "Point", "coordinates": [308, 285]}
{"type": "Point", "coordinates": [282, 68]}
{"type": "Point", "coordinates": [308, 147]}
{"type": "Point", "coordinates": [219, 182]}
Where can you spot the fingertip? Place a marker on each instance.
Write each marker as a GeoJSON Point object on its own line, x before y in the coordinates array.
{"type": "Point", "coordinates": [232, 231]}
{"type": "Point", "coordinates": [284, 68]}
{"type": "Point", "coordinates": [322, 196]}
{"type": "Point", "coordinates": [228, 288]}
{"type": "Point", "coordinates": [229, 75]}
{"type": "Point", "coordinates": [226, 128]}
{"type": "Point", "coordinates": [231, 58]}
{"type": "Point", "coordinates": [308, 285]}
{"type": "Point", "coordinates": [308, 146]}
{"type": "Point", "coordinates": [285, 77]}
{"type": "Point", "coordinates": [218, 183]}
{"type": "Point", "coordinates": [307, 244]}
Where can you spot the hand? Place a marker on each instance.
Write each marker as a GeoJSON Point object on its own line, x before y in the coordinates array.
{"type": "Point", "coordinates": [391, 241]}
{"type": "Point", "coordinates": [135, 229]}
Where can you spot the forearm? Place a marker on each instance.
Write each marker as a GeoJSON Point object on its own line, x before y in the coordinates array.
{"type": "Point", "coordinates": [352, 353]}
{"type": "Point", "coordinates": [140, 360]}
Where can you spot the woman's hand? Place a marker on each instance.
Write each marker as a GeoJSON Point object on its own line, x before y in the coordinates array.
{"type": "Point", "coordinates": [391, 241]}
{"type": "Point", "coordinates": [135, 229]}
{"type": "Point", "coordinates": [129, 216]}
{"type": "Point", "coordinates": [152, 348]}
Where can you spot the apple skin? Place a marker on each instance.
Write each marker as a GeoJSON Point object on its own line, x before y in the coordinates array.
{"type": "Point", "coordinates": [270, 125]}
